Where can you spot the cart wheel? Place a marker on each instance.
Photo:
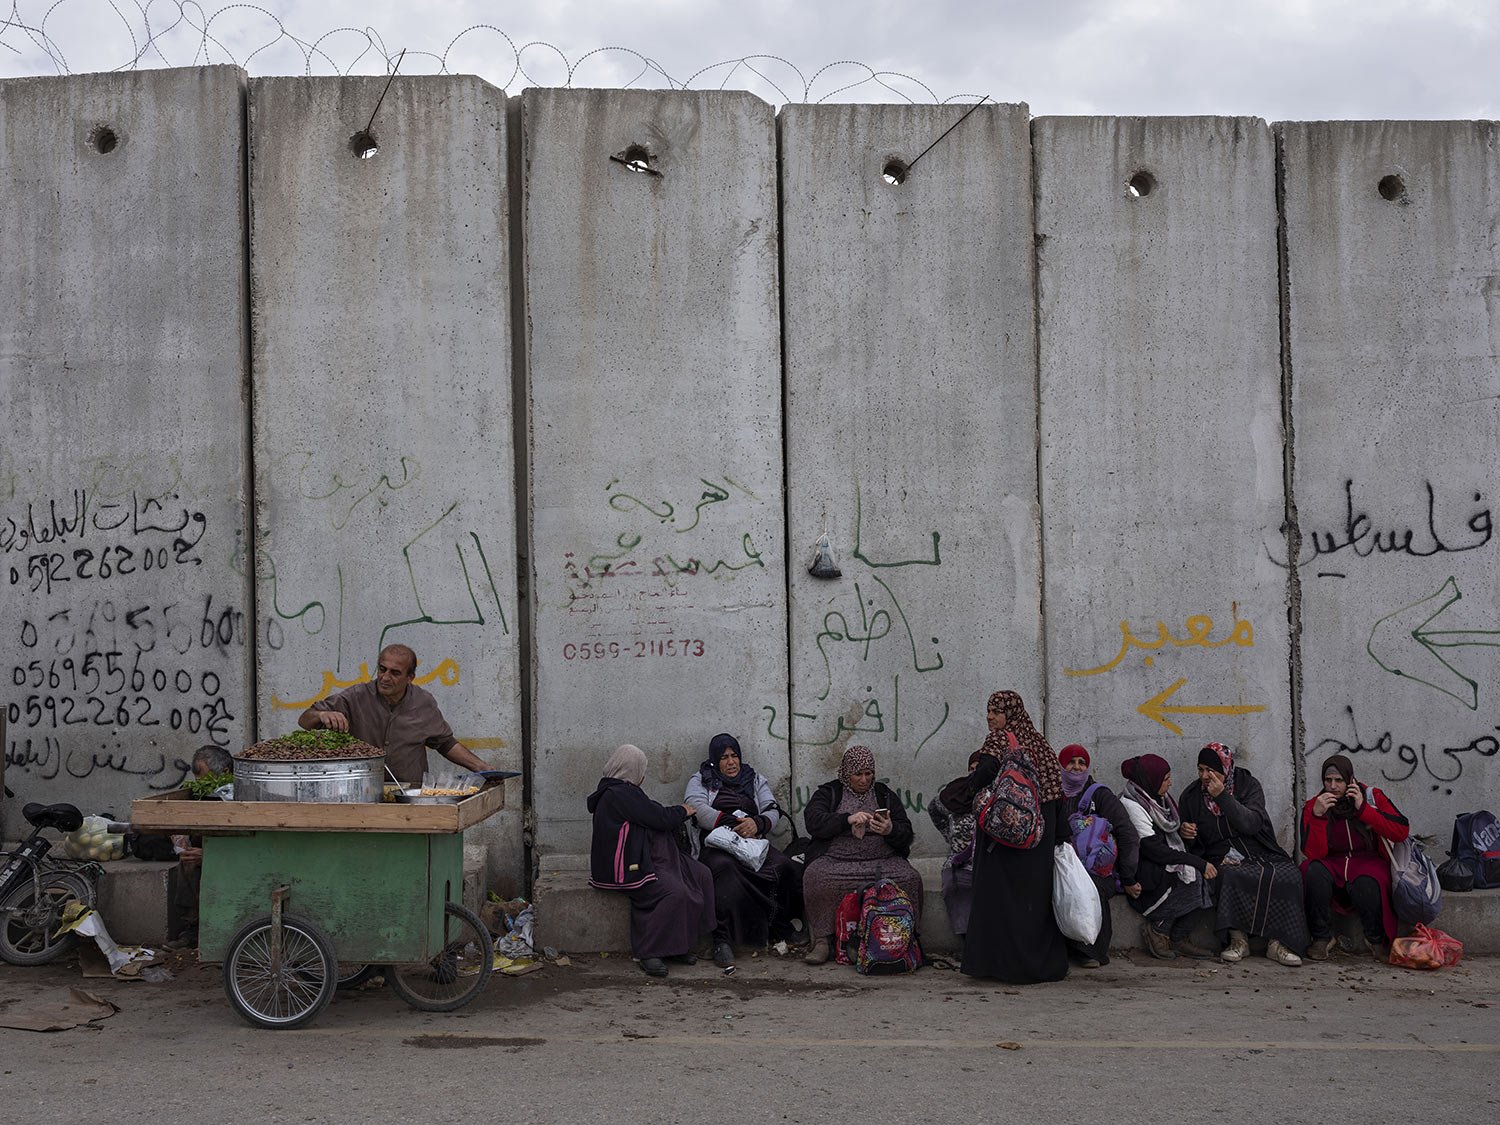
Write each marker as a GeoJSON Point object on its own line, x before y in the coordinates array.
{"type": "Point", "coordinates": [294, 994]}
{"type": "Point", "coordinates": [457, 974]}
{"type": "Point", "coordinates": [28, 921]}
{"type": "Point", "coordinates": [352, 975]}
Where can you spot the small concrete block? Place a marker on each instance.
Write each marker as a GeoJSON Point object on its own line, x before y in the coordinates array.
{"type": "Point", "coordinates": [476, 875]}
{"type": "Point", "coordinates": [138, 901]}
{"type": "Point", "coordinates": [575, 917]}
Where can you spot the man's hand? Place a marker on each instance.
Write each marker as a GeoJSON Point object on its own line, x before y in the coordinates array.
{"type": "Point", "coordinates": [333, 720]}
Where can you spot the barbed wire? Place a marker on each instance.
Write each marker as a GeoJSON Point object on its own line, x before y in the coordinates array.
{"type": "Point", "coordinates": [175, 33]}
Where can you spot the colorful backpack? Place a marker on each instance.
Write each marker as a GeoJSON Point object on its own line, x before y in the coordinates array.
{"type": "Point", "coordinates": [1092, 839]}
{"type": "Point", "coordinates": [887, 941]}
{"type": "Point", "coordinates": [846, 926]}
{"type": "Point", "coordinates": [1009, 809]}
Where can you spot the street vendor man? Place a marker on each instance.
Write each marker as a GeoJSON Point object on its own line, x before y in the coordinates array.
{"type": "Point", "coordinates": [394, 714]}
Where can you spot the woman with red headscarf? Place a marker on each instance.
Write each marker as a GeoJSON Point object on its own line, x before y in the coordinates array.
{"type": "Point", "coordinates": [1174, 881]}
{"type": "Point", "coordinates": [1013, 935]}
{"type": "Point", "coordinates": [1083, 798]}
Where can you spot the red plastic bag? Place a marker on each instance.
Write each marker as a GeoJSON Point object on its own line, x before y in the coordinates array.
{"type": "Point", "coordinates": [1427, 948]}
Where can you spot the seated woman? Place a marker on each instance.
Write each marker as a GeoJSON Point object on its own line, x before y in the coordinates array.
{"type": "Point", "coordinates": [753, 907]}
{"type": "Point", "coordinates": [1173, 881]}
{"type": "Point", "coordinates": [1013, 935]}
{"type": "Point", "coordinates": [860, 835]}
{"type": "Point", "coordinates": [1259, 888]}
{"type": "Point", "coordinates": [1346, 866]}
{"type": "Point", "coordinates": [958, 869]}
{"type": "Point", "coordinates": [671, 897]}
{"type": "Point", "coordinates": [1077, 784]}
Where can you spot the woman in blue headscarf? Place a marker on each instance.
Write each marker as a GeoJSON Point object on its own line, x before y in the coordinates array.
{"type": "Point", "coordinates": [753, 907]}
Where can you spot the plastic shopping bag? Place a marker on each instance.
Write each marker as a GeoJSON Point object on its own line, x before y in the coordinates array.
{"type": "Point", "coordinates": [752, 853]}
{"type": "Point", "coordinates": [1427, 948]}
{"type": "Point", "coordinates": [1075, 902]}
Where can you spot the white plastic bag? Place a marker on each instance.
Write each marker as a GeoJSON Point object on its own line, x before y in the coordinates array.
{"type": "Point", "coordinates": [1075, 902]}
{"type": "Point", "coordinates": [752, 853]}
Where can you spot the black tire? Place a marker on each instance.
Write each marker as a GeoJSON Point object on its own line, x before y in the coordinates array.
{"type": "Point", "coordinates": [298, 992]}
{"type": "Point", "coordinates": [457, 974]}
{"type": "Point", "coordinates": [28, 922]}
{"type": "Point", "coordinates": [354, 975]}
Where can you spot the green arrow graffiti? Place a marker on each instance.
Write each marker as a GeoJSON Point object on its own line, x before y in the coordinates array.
{"type": "Point", "coordinates": [1403, 645]}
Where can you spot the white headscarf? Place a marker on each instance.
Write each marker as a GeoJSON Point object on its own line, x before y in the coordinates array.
{"type": "Point", "coordinates": [627, 763]}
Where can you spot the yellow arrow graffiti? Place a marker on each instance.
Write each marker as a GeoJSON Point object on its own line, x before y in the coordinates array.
{"type": "Point", "coordinates": [1156, 707]}
{"type": "Point", "coordinates": [446, 673]}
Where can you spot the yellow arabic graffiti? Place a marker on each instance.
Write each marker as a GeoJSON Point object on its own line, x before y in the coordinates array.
{"type": "Point", "coordinates": [1198, 627]}
{"type": "Point", "coordinates": [446, 672]}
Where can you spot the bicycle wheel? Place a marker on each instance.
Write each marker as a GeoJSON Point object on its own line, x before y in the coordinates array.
{"type": "Point", "coordinates": [457, 974]}
{"type": "Point", "coordinates": [353, 974]}
{"type": "Point", "coordinates": [29, 921]}
{"type": "Point", "coordinates": [284, 996]}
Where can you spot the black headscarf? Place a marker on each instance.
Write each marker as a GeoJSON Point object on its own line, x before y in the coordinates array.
{"type": "Point", "coordinates": [737, 791]}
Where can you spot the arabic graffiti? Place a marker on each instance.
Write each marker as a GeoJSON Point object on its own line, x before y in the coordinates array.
{"type": "Point", "coordinates": [1157, 708]}
{"type": "Point", "coordinates": [1404, 646]}
{"type": "Point", "coordinates": [1359, 537]}
{"type": "Point", "coordinates": [665, 511]}
{"type": "Point", "coordinates": [348, 494]}
{"type": "Point", "coordinates": [446, 672]}
{"type": "Point", "coordinates": [1198, 629]}
{"type": "Point", "coordinates": [45, 759]}
{"type": "Point", "coordinates": [1442, 765]}
{"type": "Point", "coordinates": [911, 800]}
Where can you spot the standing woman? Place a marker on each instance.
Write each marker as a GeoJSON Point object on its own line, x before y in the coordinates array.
{"type": "Point", "coordinates": [1173, 881]}
{"type": "Point", "coordinates": [958, 868]}
{"type": "Point", "coordinates": [1082, 794]}
{"type": "Point", "coordinates": [1259, 889]}
{"type": "Point", "coordinates": [1346, 865]}
{"type": "Point", "coordinates": [671, 897]}
{"type": "Point", "coordinates": [860, 835]}
{"type": "Point", "coordinates": [1013, 935]}
{"type": "Point", "coordinates": [752, 906]}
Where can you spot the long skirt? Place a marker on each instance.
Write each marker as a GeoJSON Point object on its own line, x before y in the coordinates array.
{"type": "Point", "coordinates": [671, 913]}
{"type": "Point", "coordinates": [1099, 950]}
{"type": "Point", "coordinates": [753, 907]}
{"type": "Point", "coordinates": [958, 896]}
{"type": "Point", "coordinates": [1263, 895]}
{"type": "Point", "coordinates": [1013, 935]}
{"type": "Point", "coordinates": [828, 879]}
{"type": "Point", "coordinates": [1181, 900]}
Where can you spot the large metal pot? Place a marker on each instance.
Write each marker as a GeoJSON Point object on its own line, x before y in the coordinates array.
{"type": "Point", "coordinates": [338, 781]}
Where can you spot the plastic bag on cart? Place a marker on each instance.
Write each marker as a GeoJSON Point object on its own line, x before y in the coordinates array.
{"type": "Point", "coordinates": [93, 840]}
{"type": "Point", "coordinates": [452, 782]}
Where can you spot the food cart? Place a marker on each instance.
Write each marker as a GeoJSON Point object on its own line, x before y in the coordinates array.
{"type": "Point", "coordinates": [298, 897]}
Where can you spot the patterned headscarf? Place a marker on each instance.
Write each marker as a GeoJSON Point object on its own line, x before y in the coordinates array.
{"type": "Point", "coordinates": [1219, 758]}
{"type": "Point", "coordinates": [1043, 757]}
{"type": "Point", "coordinates": [856, 759]}
{"type": "Point", "coordinates": [627, 763]}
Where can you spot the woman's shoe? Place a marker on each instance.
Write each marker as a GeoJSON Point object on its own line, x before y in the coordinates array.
{"type": "Point", "coordinates": [1279, 953]}
{"type": "Point", "coordinates": [682, 959]}
{"type": "Point", "coordinates": [653, 966]}
{"type": "Point", "coordinates": [1237, 949]}
{"type": "Point", "coordinates": [1320, 949]}
{"type": "Point", "coordinates": [1380, 950]}
{"type": "Point", "coordinates": [723, 954]}
{"type": "Point", "coordinates": [818, 954]}
{"type": "Point", "coordinates": [1158, 944]}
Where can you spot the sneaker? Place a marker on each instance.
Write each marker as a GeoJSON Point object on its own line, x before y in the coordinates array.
{"type": "Point", "coordinates": [1320, 949]}
{"type": "Point", "coordinates": [1237, 949]}
{"type": "Point", "coordinates": [653, 966]}
{"type": "Point", "coordinates": [1279, 953]}
{"type": "Point", "coordinates": [818, 954]}
{"type": "Point", "coordinates": [1158, 944]}
{"type": "Point", "coordinates": [723, 954]}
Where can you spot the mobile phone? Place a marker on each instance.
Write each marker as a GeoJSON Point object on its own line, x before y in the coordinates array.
{"type": "Point", "coordinates": [880, 812]}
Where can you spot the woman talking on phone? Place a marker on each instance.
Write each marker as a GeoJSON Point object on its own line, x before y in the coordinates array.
{"type": "Point", "coordinates": [1346, 866]}
{"type": "Point", "coordinates": [860, 835]}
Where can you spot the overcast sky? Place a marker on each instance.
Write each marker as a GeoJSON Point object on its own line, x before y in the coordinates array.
{"type": "Point", "coordinates": [1276, 59]}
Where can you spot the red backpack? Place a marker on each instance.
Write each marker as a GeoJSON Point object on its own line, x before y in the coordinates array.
{"type": "Point", "coordinates": [846, 926]}
{"type": "Point", "coordinates": [1009, 809]}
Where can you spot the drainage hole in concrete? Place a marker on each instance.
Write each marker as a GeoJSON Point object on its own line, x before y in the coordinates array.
{"type": "Point", "coordinates": [1392, 188]}
{"type": "Point", "coordinates": [636, 158]}
{"type": "Point", "coordinates": [363, 145]}
{"type": "Point", "coordinates": [103, 139]}
{"type": "Point", "coordinates": [1140, 185]}
{"type": "Point", "coordinates": [894, 172]}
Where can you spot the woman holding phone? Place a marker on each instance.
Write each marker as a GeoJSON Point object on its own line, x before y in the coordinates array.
{"type": "Point", "coordinates": [860, 835]}
{"type": "Point", "coordinates": [1346, 866]}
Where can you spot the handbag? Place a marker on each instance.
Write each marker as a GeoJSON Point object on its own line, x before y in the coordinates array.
{"type": "Point", "coordinates": [752, 853]}
{"type": "Point", "coordinates": [1075, 902]}
{"type": "Point", "coordinates": [1416, 893]}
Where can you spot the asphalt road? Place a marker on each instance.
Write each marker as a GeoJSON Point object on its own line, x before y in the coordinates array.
{"type": "Point", "coordinates": [779, 1041]}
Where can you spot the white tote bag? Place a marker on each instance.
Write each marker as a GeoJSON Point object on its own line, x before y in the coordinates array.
{"type": "Point", "coordinates": [1075, 902]}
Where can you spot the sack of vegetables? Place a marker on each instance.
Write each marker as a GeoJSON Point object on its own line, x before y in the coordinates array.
{"type": "Point", "coordinates": [94, 840]}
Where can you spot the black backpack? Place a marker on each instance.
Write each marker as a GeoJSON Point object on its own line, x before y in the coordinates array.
{"type": "Point", "coordinates": [1474, 853]}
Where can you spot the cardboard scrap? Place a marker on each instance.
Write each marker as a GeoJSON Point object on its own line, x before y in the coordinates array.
{"type": "Point", "coordinates": [56, 1014]}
